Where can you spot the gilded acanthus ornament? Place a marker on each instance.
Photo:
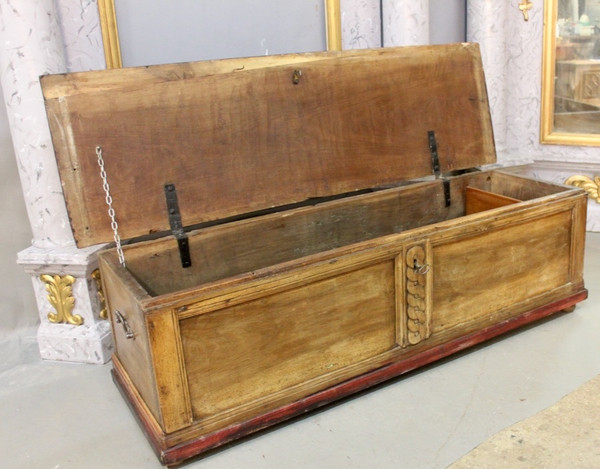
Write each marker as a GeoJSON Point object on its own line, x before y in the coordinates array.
{"type": "Point", "coordinates": [103, 311]}
{"type": "Point", "coordinates": [60, 296]}
{"type": "Point", "coordinates": [591, 186]}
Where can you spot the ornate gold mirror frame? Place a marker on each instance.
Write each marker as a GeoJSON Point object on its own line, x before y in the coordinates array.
{"type": "Point", "coordinates": [110, 33]}
{"type": "Point", "coordinates": [570, 107]}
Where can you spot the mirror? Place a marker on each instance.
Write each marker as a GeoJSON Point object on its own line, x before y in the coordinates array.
{"type": "Point", "coordinates": [169, 31]}
{"type": "Point", "coordinates": [570, 108]}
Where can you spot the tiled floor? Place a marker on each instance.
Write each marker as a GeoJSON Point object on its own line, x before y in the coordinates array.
{"type": "Point", "coordinates": [57, 415]}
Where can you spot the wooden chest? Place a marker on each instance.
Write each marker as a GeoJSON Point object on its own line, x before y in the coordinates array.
{"type": "Point", "coordinates": [339, 236]}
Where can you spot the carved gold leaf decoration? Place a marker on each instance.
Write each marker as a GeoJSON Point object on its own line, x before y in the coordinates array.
{"type": "Point", "coordinates": [591, 186]}
{"type": "Point", "coordinates": [525, 6]}
{"type": "Point", "coordinates": [103, 311]}
{"type": "Point", "coordinates": [60, 296]}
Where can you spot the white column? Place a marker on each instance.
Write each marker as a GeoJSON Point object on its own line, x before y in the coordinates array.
{"type": "Point", "coordinates": [486, 25]}
{"type": "Point", "coordinates": [361, 24]}
{"type": "Point", "coordinates": [405, 22]}
{"type": "Point", "coordinates": [32, 45]}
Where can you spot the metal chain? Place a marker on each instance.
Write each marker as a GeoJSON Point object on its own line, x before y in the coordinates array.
{"type": "Point", "coordinates": [111, 211]}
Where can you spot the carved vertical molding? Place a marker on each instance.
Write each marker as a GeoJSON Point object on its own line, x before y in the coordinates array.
{"type": "Point", "coordinates": [414, 314]}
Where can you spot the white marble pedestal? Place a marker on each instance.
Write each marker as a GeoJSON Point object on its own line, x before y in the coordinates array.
{"type": "Point", "coordinates": [73, 322]}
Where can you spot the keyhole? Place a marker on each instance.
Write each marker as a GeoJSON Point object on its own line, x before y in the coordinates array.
{"type": "Point", "coordinates": [296, 76]}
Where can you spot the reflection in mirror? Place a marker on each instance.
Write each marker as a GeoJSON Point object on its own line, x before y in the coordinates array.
{"type": "Point", "coordinates": [571, 73]}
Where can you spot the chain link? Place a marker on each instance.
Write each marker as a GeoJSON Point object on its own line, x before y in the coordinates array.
{"type": "Point", "coordinates": [111, 210]}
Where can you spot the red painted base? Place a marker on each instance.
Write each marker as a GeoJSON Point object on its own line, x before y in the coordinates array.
{"type": "Point", "coordinates": [176, 454]}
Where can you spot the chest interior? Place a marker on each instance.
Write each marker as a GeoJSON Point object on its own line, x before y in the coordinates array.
{"type": "Point", "coordinates": [252, 247]}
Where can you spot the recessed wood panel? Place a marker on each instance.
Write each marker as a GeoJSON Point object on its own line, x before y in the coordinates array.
{"type": "Point", "coordinates": [257, 349]}
{"type": "Point", "coordinates": [478, 276]}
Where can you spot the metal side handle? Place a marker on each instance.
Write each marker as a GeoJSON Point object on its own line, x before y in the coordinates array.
{"type": "Point", "coordinates": [120, 319]}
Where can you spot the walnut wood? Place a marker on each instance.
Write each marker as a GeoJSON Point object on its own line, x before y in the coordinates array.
{"type": "Point", "coordinates": [169, 372]}
{"type": "Point", "coordinates": [323, 316]}
{"type": "Point", "coordinates": [257, 140]}
{"type": "Point", "coordinates": [301, 334]}
{"type": "Point", "coordinates": [123, 293]}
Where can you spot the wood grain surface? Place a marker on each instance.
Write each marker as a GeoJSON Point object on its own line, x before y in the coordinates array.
{"type": "Point", "coordinates": [248, 139]}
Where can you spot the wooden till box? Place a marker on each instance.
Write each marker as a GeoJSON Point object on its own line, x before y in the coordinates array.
{"type": "Point", "coordinates": [341, 234]}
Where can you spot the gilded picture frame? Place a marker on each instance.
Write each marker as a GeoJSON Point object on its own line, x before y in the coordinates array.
{"type": "Point", "coordinates": [110, 33]}
{"type": "Point", "coordinates": [556, 125]}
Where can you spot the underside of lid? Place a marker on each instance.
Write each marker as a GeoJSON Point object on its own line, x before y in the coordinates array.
{"type": "Point", "coordinates": [243, 135]}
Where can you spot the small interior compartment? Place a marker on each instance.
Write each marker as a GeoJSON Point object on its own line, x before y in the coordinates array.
{"type": "Point", "coordinates": [247, 246]}
{"type": "Point", "coordinates": [478, 200]}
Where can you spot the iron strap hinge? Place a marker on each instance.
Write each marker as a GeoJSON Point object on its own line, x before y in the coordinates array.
{"type": "Point", "coordinates": [435, 164]}
{"type": "Point", "coordinates": [177, 225]}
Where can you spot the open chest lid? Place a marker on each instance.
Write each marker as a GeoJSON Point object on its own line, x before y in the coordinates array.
{"type": "Point", "coordinates": [242, 135]}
